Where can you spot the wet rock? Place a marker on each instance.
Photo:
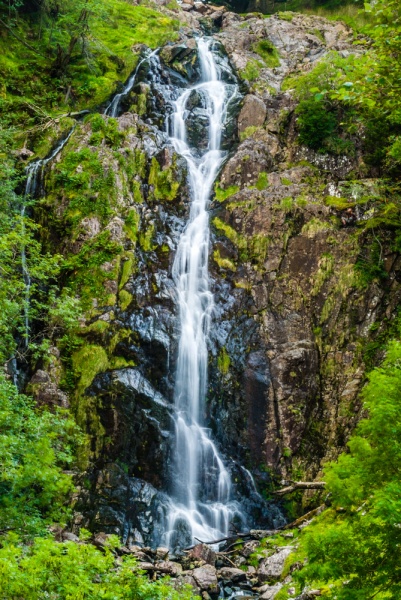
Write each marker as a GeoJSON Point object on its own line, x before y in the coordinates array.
{"type": "Point", "coordinates": [203, 552]}
{"type": "Point", "coordinates": [206, 578]}
{"type": "Point", "coordinates": [272, 566]}
{"type": "Point", "coordinates": [253, 113]}
{"type": "Point", "coordinates": [232, 574]}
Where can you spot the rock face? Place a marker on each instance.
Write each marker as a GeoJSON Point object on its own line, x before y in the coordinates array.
{"type": "Point", "coordinates": [291, 316]}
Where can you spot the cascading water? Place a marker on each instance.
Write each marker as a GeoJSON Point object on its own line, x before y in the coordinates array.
{"type": "Point", "coordinates": [202, 506]}
{"type": "Point", "coordinates": [113, 107]}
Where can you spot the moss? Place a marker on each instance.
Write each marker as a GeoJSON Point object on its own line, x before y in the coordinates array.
{"type": "Point", "coordinates": [338, 203]}
{"type": "Point", "coordinates": [125, 299]}
{"type": "Point", "coordinates": [131, 223]}
{"type": "Point", "coordinates": [127, 270]}
{"type": "Point", "coordinates": [223, 361]}
{"type": "Point", "coordinates": [301, 201]}
{"type": "Point", "coordinates": [119, 336]}
{"type": "Point", "coordinates": [85, 272]}
{"type": "Point", "coordinates": [119, 362]}
{"type": "Point", "coordinates": [222, 194]}
{"type": "Point", "coordinates": [286, 15]}
{"type": "Point", "coordinates": [98, 327]}
{"type": "Point", "coordinates": [249, 132]}
{"type": "Point", "coordinates": [286, 181]}
{"type": "Point", "coordinates": [326, 268]}
{"type": "Point", "coordinates": [87, 362]}
{"type": "Point", "coordinates": [253, 248]}
{"type": "Point", "coordinates": [164, 182]}
{"type": "Point", "coordinates": [286, 204]}
{"type": "Point", "coordinates": [315, 226]}
{"type": "Point", "coordinates": [88, 188]}
{"type": "Point", "coordinates": [268, 52]}
{"type": "Point", "coordinates": [230, 233]}
{"type": "Point", "coordinates": [262, 181]}
{"type": "Point", "coordinates": [145, 239]}
{"type": "Point", "coordinates": [252, 70]}
{"type": "Point", "coordinates": [223, 263]}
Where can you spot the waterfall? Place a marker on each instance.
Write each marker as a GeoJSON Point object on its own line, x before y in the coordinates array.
{"type": "Point", "coordinates": [113, 107]}
{"type": "Point", "coordinates": [202, 505]}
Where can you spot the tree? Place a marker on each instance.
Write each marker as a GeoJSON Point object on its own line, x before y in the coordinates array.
{"type": "Point", "coordinates": [354, 548]}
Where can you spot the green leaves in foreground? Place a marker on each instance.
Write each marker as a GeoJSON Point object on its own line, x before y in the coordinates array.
{"type": "Point", "coordinates": [355, 547]}
{"type": "Point", "coordinates": [72, 571]}
{"type": "Point", "coordinates": [34, 447]}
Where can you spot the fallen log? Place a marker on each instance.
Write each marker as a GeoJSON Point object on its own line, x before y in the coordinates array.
{"type": "Point", "coordinates": [305, 517]}
{"type": "Point", "coordinates": [300, 485]}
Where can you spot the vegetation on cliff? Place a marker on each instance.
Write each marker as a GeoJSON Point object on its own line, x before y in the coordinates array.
{"type": "Point", "coordinates": [53, 60]}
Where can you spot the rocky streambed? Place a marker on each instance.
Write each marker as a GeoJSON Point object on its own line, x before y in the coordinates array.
{"type": "Point", "coordinates": [255, 567]}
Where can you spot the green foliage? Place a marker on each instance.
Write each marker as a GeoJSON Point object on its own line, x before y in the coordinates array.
{"type": "Point", "coordinates": [66, 571]}
{"type": "Point", "coordinates": [268, 52]}
{"type": "Point", "coordinates": [165, 185]}
{"type": "Point", "coordinates": [35, 446]}
{"type": "Point", "coordinates": [86, 184]}
{"type": "Point", "coordinates": [252, 70]}
{"type": "Point", "coordinates": [87, 362]}
{"type": "Point", "coordinates": [77, 53]}
{"type": "Point", "coordinates": [222, 194]}
{"type": "Point", "coordinates": [315, 123]}
{"type": "Point", "coordinates": [353, 547]}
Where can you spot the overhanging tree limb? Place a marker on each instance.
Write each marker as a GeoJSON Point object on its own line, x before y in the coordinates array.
{"type": "Point", "coordinates": [300, 485]}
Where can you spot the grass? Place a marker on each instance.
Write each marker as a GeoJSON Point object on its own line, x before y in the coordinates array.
{"type": "Point", "coordinates": [268, 52]}
{"type": "Point", "coordinates": [29, 90]}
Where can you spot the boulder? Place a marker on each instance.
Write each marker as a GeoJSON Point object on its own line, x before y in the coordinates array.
{"type": "Point", "coordinates": [68, 536]}
{"type": "Point", "coordinates": [272, 566]}
{"type": "Point", "coordinates": [168, 566]}
{"type": "Point", "coordinates": [253, 113]}
{"type": "Point", "coordinates": [162, 553]}
{"type": "Point", "coordinates": [232, 574]}
{"type": "Point", "coordinates": [206, 578]}
{"type": "Point", "coordinates": [203, 552]}
{"type": "Point", "coordinates": [270, 593]}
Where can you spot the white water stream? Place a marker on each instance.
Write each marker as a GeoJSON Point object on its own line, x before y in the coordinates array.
{"type": "Point", "coordinates": [202, 507]}
{"type": "Point", "coordinates": [112, 108]}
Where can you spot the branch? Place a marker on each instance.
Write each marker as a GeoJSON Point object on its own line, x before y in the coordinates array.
{"type": "Point", "coordinates": [301, 485]}
{"type": "Point", "coordinates": [306, 517]}
{"type": "Point", "coordinates": [20, 39]}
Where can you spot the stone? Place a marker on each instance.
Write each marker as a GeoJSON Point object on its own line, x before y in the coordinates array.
{"type": "Point", "coordinates": [272, 566]}
{"type": "Point", "coordinates": [170, 567]}
{"type": "Point", "coordinates": [206, 578]}
{"type": "Point", "coordinates": [232, 574]}
{"type": "Point", "coordinates": [203, 552]}
{"type": "Point", "coordinates": [68, 536]}
{"type": "Point", "coordinates": [253, 113]}
{"type": "Point", "coordinates": [162, 553]}
{"type": "Point", "coordinates": [270, 593]}
{"type": "Point", "coordinates": [115, 227]}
